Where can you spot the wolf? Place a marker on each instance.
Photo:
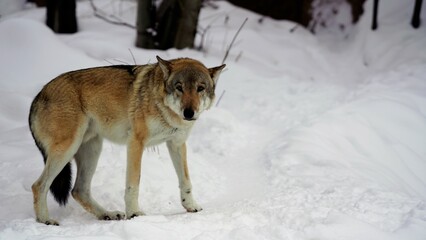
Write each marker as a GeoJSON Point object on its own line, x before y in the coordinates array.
{"type": "Point", "coordinates": [136, 105]}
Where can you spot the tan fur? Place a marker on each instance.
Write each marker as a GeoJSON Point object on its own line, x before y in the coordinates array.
{"type": "Point", "coordinates": [135, 105]}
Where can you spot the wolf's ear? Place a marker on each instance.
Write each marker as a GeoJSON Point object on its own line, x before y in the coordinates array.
{"type": "Point", "coordinates": [165, 66]}
{"type": "Point", "coordinates": [215, 72]}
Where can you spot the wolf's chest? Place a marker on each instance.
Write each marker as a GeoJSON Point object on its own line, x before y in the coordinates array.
{"type": "Point", "coordinates": [159, 133]}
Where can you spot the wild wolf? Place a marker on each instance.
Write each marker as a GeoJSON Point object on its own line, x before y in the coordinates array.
{"type": "Point", "coordinates": [136, 105]}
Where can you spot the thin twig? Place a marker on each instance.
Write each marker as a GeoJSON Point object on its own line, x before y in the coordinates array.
{"type": "Point", "coordinates": [239, 56]}
{"type": "Point", "coordinates": [97, 13]}
{"type": "Point", "coordinates": [133, 56]}
{"type": "Point", "coordinates": [220, 98]}
{"type": "Point", "coordinates": [233, 40]}
{"type": "Point", "coordinates": [111, 63]}
{"type": "Point", "coordinates": [121, 61]}
{"type": "Point", "coordinates": [294, 28]}
{"type": "Point", "coordinates": [203, 33]}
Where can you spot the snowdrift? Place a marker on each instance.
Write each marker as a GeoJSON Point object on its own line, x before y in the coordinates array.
{"type": "Point", "coordinates": [315, 137]}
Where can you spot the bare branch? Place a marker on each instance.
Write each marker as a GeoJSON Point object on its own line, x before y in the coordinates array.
{"type": "Point", "coordinates": [108, 62]}
{"type": "Point", "coordinates": [102, 16]}
{"type": "Point", "coordinates": [220, 98]}
{"type": "Point", "coordinates": [133, 56]}
{"type": "Point", "coordinates": [238, 56]}
{"type": "Point", "coordinates": [121, 61]}
{"type": "Point", "coordinates": [233, 40]}
{"type": "Point", "coordinates": [294, 28]}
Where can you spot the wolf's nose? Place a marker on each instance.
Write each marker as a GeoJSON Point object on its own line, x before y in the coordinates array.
{"type": "Point", "coordinates": [188, 113]}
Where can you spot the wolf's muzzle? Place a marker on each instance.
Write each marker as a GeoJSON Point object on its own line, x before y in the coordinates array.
{"type": "Point", "coordinates": [188, 114]}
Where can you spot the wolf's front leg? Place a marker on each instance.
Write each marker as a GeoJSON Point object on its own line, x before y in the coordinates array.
{"type": "Point", "coordinates": [178, 155]}
{"type": "Point", "coordinates": [134, 160]}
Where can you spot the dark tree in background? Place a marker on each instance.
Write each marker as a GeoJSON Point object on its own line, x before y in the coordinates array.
{"type": "Point", "coordinates": [39, 3]}
{"type": "Point", "coordinates": [415, 20]}
{"type": "Point", "coordinates": [145, 24]}
{"type": "Point", "coordinates": [375, 10]}
{"type": "Point", "coordinates": [172, 25]}
{"type": "Point", "coordinates": [61, 16]}
{"type": "Point", "coordinates": [187, 23]}
{"type": "Point", "coordinates": [299, 11]}
{"type": "Point", "coordinates": [293, 10]}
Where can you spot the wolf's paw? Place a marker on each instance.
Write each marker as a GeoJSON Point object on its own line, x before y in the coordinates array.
{"type": "Point", "coordinates": [135, 214]}
{"type": "Point", "coordinates": [48, 222]}
{"type": "Point", "coordinates": [191, 207]}
{"type": "Point", "coordinates": [113, 215]}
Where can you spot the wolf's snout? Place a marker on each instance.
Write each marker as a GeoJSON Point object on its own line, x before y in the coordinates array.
{"type": "Point", "coordinates": [188, 113]}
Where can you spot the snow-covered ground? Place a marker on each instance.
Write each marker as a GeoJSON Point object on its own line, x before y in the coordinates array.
{"type": "Point", "coordinates": [315, 137]}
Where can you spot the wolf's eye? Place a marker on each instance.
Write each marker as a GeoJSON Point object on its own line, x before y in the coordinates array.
{"type": "Point", "coordinates": [179, 88]}
{"type": "Point", "coordinates": [200, 89]}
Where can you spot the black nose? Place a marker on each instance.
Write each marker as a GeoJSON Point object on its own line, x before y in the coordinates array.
{"type": "Point", "coordinates": [188, 113]}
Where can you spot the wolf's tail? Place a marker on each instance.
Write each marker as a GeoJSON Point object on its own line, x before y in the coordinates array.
{"type": "Point", "coordinates": [61, 185]}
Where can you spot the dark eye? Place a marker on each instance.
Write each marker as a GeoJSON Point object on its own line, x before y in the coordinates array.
{"type": "Point", "coordinates": [179, 88]}
{"type": "Point", "coordinates": [200, 89]}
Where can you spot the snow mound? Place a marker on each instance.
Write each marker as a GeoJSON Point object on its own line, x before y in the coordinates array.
{"type": "Point", "coordinates": [315, 136]}
{"type": "Point", "coordinates": [364, 158]}
{"type": "Point", "coordinates": [35, 54]}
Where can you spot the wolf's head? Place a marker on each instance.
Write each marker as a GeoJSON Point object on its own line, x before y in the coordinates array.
{"type": "Point", "coordinates": [189, 86]}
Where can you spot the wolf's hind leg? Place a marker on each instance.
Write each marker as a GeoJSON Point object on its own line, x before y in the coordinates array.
{"type": "Point", "coordinates": [178, 156]}
{"type": "Point", "coordinates": [54, 165]}
{"type": "Point", "coordinates": [87, 159]}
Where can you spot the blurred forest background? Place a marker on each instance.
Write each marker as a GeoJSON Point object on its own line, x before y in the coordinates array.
{"type": "Point", "coordinates": [164, 24]}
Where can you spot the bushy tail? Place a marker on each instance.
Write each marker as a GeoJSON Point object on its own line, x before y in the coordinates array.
{"type": "Point", "coordinates": [61, 186]}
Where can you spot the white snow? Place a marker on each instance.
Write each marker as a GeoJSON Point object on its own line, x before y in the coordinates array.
{"type": "Point", "coordinates": [316, 136]}
{"type": "Point", "coordinates": [11, 6]}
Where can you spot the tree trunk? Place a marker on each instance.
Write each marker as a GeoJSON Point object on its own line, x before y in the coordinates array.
{"type": "Point", "coordinates": [375, 10]}
{"type": "Point", "coordinates": [145, 25]}
{"type": "Point", "coordinates": [188, 21]}
{"type": "Point", "coordinates": [174, 25]}
{"type": "Point", "coordinates": [415, 21]}
{"type": "Point", "coordinates": [61, 16]}
{"type": "Point", "coordinates": [167, 23]}
{"type": "Point", "coordinates": [39, 3]}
